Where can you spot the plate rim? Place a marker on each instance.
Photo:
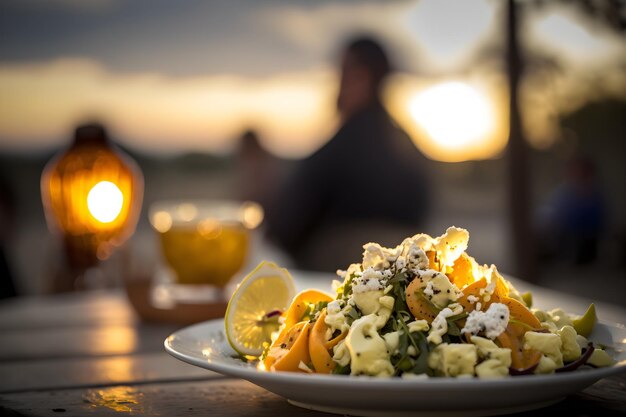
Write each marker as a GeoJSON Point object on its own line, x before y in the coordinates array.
{"type": "Point", "coordinates": [254, 374]}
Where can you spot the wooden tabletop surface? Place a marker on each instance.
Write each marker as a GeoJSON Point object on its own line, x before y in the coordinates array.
{"type": "Point", "coordinates": [87, 354]}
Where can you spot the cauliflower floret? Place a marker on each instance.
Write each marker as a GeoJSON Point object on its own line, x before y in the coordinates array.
{"type": "Point", "coordinates": [369, 354]}
{"type": "Point", "coordinates": [600, 358]}
{"type": "Point", "coordinates": [488, 350]}
{"type": "Point", "coordinates": [367, 302]}
{"type": "Point", "coordinates": [560, 318]}
{"type": "Point", "coordinates": [570, 349]}
{"type": "Point", "coordinates": [582, 341]}
{"type": "Point", "coordinates": [547, 343]}
{"type": "Point", "coordinates": [496, 360]}
{"type": "Point", "coordinates": [341, 354]}
{"type": "Point", "coordinates": [491, 368]}
{"type": "Point", "coordinates": [546, 365]}
{"type": "Point", "coordinates": [392, 339]}
{"type": "Point", "coordinates": [418, 326]}
{"type": "Point", "coordinates": [453, 359]}
{"type": "Point", "coordinates": [557, 317]}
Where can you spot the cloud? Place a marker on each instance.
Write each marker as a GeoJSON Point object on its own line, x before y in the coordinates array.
{"type": "Point", "coordinates": [293, 112]}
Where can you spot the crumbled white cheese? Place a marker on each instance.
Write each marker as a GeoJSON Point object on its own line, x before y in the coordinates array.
{"type": "Point", "coordinates": [472, 299]}
{"type": "Point", "coordinates": [439, 326]}
{"type": "Point", "coordinates": [336, 316]}
{"type": "Point", "coordinates": [416, 258]}
{"type": "Point", "coordinates": [378, 257]}
{"type": "Point", "coordinates": [334, 307]}
{"type": "Point", "coordinates": [352, 269]}
{"type": "Point", "coordinates": [401, 264]}
{"type": "Point", "coordinates": [369, 280]}
{"type": "Point", "coordinates": [479, 306]}
{"type": "Point", "coordinates": [451, 245]}
{"type": "Point", "coordinates": [422, 240]}
{"type": "Point", "coordinates": [493, 321]}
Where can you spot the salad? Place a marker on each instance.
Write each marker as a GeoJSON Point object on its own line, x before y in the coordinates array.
{"type": "Point", "coordinates": [425, 308]}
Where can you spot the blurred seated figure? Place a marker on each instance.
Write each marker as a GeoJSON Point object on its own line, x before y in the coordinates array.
{"type": "Point", "coordinates": [7, 219]}
{"type": "Point", "coordinates": [257, 170]}
{"type": "Point", "coordinates": [573, 220]}
{"type": "Point", "coordinates": [366, 184]}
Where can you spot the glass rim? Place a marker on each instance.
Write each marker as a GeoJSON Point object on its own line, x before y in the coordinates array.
{"type": "Point", "coordinates": [182, 212]}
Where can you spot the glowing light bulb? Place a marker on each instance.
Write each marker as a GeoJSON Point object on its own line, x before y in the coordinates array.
{"type": "Point", "coordinates": [105, 201]}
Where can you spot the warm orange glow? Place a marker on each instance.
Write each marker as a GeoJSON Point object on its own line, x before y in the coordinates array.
{"type": "Point", "coordinates": [105, 201]}
{"type": "Point", "coordinates": [293, 113]}
{"type": "Point", "coordinates": [449, 121]}
{"type": "Point", "coordinates": [120, 399]}
{"type": "Point", "coordinates": [93, 196]}
{"type": "Point", "coordinates": [454, 114]}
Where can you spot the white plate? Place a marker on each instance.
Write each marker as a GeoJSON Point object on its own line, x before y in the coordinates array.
{"type": "Point", "coordinates": [205, 345]}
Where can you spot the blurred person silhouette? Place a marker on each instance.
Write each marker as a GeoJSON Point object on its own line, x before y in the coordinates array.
{"type": "Point", "coordinates": [257, 170]}
{"type": "Point", "coordinates": [366, 183]}
{"type": "Point", "coordinates": [7, 219]}
{"type": "Point", "coordinates": [574, 218]}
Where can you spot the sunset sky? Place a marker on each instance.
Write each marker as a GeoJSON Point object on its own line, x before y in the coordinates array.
{"type": "Point", "coordinates": [171, 77]}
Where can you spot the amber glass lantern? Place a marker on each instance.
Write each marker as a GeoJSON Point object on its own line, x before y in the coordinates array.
{"type": "Point", "coordinates": [92, 195]}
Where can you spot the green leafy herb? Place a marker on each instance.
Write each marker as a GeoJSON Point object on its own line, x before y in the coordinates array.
{"type": "Point", "coordinates": [312, 310]}
{"type": "Point", "coordinates": [432, 306]}
{"type": "Point", "coordinates": [342, 370]}
{"type": "Point", "coordinates": [421, 362]}
{"type": "Point", "coordinates": [453, 329]}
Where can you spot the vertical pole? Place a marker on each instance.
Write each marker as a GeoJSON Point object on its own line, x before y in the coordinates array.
{"type": "Point", "coordinates": [517, 154]}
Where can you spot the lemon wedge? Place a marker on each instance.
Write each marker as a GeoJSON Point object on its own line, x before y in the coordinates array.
{"type": "Point", "coordinates": [253, 310]}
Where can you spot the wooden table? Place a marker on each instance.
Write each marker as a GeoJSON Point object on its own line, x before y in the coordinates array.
{"type": "Point", "coordinates": [87, 354]}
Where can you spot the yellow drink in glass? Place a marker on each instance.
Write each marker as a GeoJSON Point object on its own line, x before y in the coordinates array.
{"type": "Point", "coordinates": [205, 242]}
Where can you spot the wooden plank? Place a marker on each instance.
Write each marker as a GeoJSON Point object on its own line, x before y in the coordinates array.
{"type": "Point", "coordinates": [75, 309]}
{"type": "Point", "coordinates": [90, 372]}
{"type": "Point", "coordinates": [239, 398]}
{"type": "Point", "coordinates": [208, 398]}
{"type": "Point", "coordinates": [68, 342]}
